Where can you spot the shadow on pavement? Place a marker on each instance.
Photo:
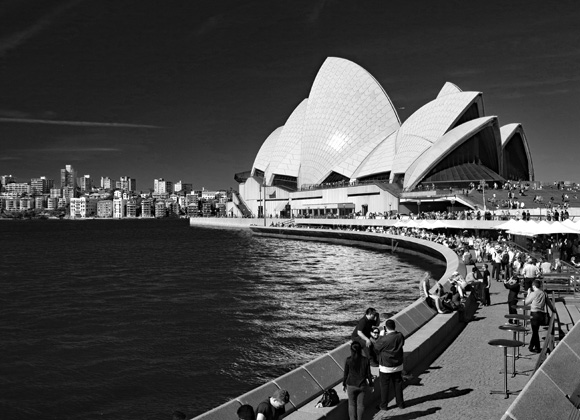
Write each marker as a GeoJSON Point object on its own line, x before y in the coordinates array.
{"type": "Point", "coordinates": [384, 415]}
{"type": "Point", "coordinates": [441, 395]}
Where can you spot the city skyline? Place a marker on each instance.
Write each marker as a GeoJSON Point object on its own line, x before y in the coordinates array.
{"type": "Point", "coordinates": [190, 90]}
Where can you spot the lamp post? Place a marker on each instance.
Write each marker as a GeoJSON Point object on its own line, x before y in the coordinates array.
{"type": "Point", "coordinates": [264, 207]}
{"type": "Point", "coordinates": [418, 209]}
{"type": "Point", "coordinates": [452, 202]}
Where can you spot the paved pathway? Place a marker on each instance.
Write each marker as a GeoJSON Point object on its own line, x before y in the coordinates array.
{"type": "Point", "coordinates": [457, 384]}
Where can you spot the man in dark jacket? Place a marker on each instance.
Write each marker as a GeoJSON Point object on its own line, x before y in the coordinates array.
{"type": "Point", "coordinates": [390, 350]}
{"type": "Point", "coordinates": [513, 285]}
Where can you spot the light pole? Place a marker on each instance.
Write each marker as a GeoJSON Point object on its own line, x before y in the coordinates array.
{"type": "Point", "coordinates": [452, 202]}
{"type": "Point", "coordinates": [264, 208]}
{"type": "Point", "coordinates": [418, 209]}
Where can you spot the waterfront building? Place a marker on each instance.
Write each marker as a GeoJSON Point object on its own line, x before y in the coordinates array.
{"type": "Point", "coordinates": [107, 183]}
{"type": "Point", "coordinates": [131, 208]}
{"type": "Point", "coordinates": [26, 203]}
{"type": "Point", "coordinates": [85, 183]}
{"type": "Point", "coordinates": [52, 203]}
{"type": "Point", "coordinates": [12, 204]}
{"type": "Point", "coordinates": [206, 209]}
{"type": "Point", "coordinates": [162, 186]}
{"type": "Point", "coordinates": [55, 193]}
{"type": "Point", "coordinates": [82, 207]}
{"type": "Point", "coordinates": [105, 209]}
{"type": "Point", "coordinates": [62, 202]}
{"type": "Point", "coordinates": [119, 208]}
{"type": "Point", "coordinates": [68, 177]}
{"type": "Point", "coordinates": [191, 204]}
{"type": "Point", "coordinates": [146, 208]}
{"type": "Point", "coordinates": [344, 149]}
{"type": "Point", "coordinates": [17, 188]}
{"type": "Point", "coordinates": [160, 209]}
{"type": "Point", "coordinates": [41, 185]}
{"type": "Point", "coordinates": [40, 201]}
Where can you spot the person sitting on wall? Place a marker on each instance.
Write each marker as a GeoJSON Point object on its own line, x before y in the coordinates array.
{"type": "Point", "coordinates": [246, 412]}
{"type": "Point", "coordinates": [273, 407]}
{"type": "Point", "coordinates": [362, 333]}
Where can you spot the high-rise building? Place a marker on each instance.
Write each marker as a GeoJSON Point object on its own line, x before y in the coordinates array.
{"type": "Point", "coordinates": [85, 183]}
{"type": "Point", "coordinates": [107, 183]}
{"type": "Point", "coordinates": [41, 185]}
{"type": "Point", "coordinates": [161, 186]}
{"type": "Point", "coordinates": [182, 187]}
{"type": "Point", "coordinates": [128, 184]}
{"type": "Point", "coordinates": [67, 177]}
{"type": "Point", "coordinates": [6, 179]}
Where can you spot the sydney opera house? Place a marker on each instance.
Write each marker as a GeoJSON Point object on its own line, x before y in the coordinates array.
{"type": "Point", "coordinates": [344, 150]}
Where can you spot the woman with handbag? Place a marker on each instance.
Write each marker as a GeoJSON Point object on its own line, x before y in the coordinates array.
{"type": "Point", "coordinates": [536, 298]}
{"type": "Point", "coordinates": [357, 377]}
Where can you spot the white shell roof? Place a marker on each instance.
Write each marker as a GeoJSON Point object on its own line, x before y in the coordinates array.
{"type": "Point", "coordinates": [507, 131]}
{"type": "Point", "coordinates": [285, 158]}
{"type": "Point", "coordinates": [447, 89]}
{"type": "Point", "coordinates": [264, 155]}
{"type": "Point", "coordinates": [427, 125]}
{"type": "Point", "coordinates": [348, 115]}
{"type": "Point", "coordinates": [380, 160]}
{"type": "Point", "coordinates": [443, 147]}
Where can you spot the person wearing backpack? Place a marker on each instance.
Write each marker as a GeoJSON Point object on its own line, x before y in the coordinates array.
{"type": "Point", "coordinates": [357, 378]}
{"type": "Point", "coordinates": [505, 264]}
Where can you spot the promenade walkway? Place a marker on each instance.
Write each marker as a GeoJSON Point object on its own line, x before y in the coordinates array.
{"type": "Point", "coordinates": [457, 384]}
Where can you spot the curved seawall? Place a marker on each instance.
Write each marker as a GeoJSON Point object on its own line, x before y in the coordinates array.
{"type": "Point", "coordinates": [427, 333]}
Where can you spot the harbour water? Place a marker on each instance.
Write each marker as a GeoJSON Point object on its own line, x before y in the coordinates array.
{"type": "Point", "coordinates": [136, 319]}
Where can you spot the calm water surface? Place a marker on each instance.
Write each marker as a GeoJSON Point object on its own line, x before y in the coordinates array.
{"type": "Point", "coordinates": [135, 319]}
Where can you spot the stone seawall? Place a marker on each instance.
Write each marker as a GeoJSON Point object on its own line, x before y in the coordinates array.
{"type": "Point", "coordinates": [427, 333]}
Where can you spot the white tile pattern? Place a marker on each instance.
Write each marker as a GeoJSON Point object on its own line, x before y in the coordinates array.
{"type": "Point", "coordinates": [264, 155]}
{"type": "Point", "coordinates": [348, 114]}
{"type": "Point", "coordinates": [286, 154]}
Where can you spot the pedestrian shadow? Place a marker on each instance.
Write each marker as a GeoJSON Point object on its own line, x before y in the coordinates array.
{"type": "Point", "coordinates": [477, 318]}
{"type": "Point", "coordinates": [384, 415]}
{"type": "Point", "coordinates": [452, 392]}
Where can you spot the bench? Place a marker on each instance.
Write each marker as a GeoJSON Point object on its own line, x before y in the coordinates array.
{"type": "Point", "coordinates": [558, 285]}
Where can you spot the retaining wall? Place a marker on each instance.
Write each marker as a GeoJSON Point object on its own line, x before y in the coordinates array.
{"type": "Point", "coordinates": [426, 333]}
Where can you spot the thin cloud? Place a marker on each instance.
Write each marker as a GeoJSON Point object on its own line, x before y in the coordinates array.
{"type": "Point", "coordinates": [16, 39]}
{"type": "Point", "coordinates": [74, 123]}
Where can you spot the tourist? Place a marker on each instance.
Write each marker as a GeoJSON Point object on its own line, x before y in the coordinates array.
{"type": "Point", "coordinates": [486, 280]}
{"type": "Point", "coordinates": [362, 332]}
{"type": "Point", "coordinates": [530, 272]}
{"type": "Point", "coordinates": [474, 284]}
{"type": "Point", "coordinates": [496, 262]}
{"type": "Point", "coordinates": [273, 407]}
{"type": "Point", "coordinates": [537, 299]}
{"type": "Point", "coordinates": [357, 378]}
{"type": "Point", "coordinates": [545, 266]}
{"type": "Point", "coordinates": [513, 285]}
{"type": "Point", "coordinates": [246, 412]}
{"type": "Point", "coordinates": [390, 350]}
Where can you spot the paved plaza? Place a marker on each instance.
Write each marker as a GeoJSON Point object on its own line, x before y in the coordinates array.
{"type": "Point", "coordinates": [457, 384]}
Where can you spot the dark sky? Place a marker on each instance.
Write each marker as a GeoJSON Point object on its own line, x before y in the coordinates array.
{"type": "Point", "coordinates": [189, 90]}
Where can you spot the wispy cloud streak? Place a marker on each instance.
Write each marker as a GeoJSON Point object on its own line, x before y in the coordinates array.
{"type": "Point", "coordinates": [74, 123]}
